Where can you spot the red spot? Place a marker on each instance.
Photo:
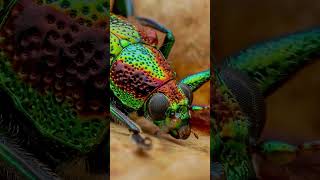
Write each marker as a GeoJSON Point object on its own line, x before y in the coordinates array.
{"type": "Point", "coordinates": [148, 35]}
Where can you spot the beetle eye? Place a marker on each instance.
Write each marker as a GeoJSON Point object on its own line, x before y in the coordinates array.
{"type": "Point", "coordinates": [187, 92]}
{"type": "Point", "coordinates": [157, 106]}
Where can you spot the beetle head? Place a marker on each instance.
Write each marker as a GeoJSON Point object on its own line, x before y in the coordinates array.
{"type": "Point", "coordinates": [169, 108]}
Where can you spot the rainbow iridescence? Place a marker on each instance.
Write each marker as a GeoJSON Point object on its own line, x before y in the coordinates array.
{"type": "Point", "coordinates": [137, 67]}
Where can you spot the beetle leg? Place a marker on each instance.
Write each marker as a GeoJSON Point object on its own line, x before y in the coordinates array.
{"type": "Point", "coordinates": [17, 163]}
{"type": "Point", "coordinates": [125, 8]}
{"type": "Point", "coordinates": [196, 80]}
{"type": "Point", "coordinates": [284, 153]}
{"type": "Point", "coordinates": [271, 63]}
{"type": "Point", "coordinates": [143, 143]}
{"type": "Point", "coordinates": [169, 39]}
{"type": "Point", "coordinates": [5, 7]}
{"type": "Point", "coordinates": [199, 108]}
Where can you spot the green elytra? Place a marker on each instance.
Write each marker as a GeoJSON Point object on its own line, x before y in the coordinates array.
{"type": "Point", "coordinates": [50, 116]}
{"type": "Point", "coordinates": [142, 80]}
{"type": "Point", "coordinates": [239, 87]}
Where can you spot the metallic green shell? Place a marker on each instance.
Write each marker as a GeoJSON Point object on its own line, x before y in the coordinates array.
{"type": "Point", "coordinates": [122, 34]}
{"type": "Point", "coordinates": [137, 67]}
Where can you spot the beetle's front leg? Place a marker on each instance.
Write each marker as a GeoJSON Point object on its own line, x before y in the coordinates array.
{"type": "Point", "coordinates": [284, 153]}
{"type": "Point", "coordinates": [195, 81]}
{"type": "Point", "coordinates": [196, 108]}
{"type": "Point", "coordinates": [143, 143]}
{"type": "Point", "coordinates": [199, 108]}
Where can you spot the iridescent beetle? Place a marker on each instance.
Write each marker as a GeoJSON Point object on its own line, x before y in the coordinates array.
{"type": "Point", "coordinates": [53, 87]}
{"type": "Point", "coordinates": [239, 88]}
{"type": "Point", "coordinates": [142, 80]}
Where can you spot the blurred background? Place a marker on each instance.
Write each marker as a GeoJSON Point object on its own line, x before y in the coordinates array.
{"type": "Point", "coordinates": [293, 111]}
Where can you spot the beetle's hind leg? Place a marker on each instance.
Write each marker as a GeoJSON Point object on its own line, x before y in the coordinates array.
{"type": "Point", "coordinates": [125, 8]}
{"type": "Point", "coordinates": [169, 39]}
{"type": "Point", "coordinates": [143, 143]}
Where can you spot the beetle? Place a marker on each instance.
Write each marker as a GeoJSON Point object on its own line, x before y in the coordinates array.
{"type": "Point", "coordinates": [53, 84]}
{"type": "Point", "coordinates": [142, 80]}
{"type": "Point", "coordinates": [240, 86]}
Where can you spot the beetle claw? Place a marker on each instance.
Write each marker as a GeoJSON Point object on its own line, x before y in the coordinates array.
{"type": "Point", "coordinates": [195, 134]}
{"type": "Point", "coordinates": [143, 143]}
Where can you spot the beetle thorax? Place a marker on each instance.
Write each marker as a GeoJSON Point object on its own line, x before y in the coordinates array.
{"type": "Point", "coordinates": [174, 94]}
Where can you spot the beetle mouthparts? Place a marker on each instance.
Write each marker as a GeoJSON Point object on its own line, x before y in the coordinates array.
{"type": "Point", "coordinates": [182, 133]}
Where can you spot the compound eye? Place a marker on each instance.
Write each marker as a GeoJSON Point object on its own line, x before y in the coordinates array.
{"type": "Point", "coordinates": [187, 92]}
{"type": "Point", "coordinates": [157, 106]}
